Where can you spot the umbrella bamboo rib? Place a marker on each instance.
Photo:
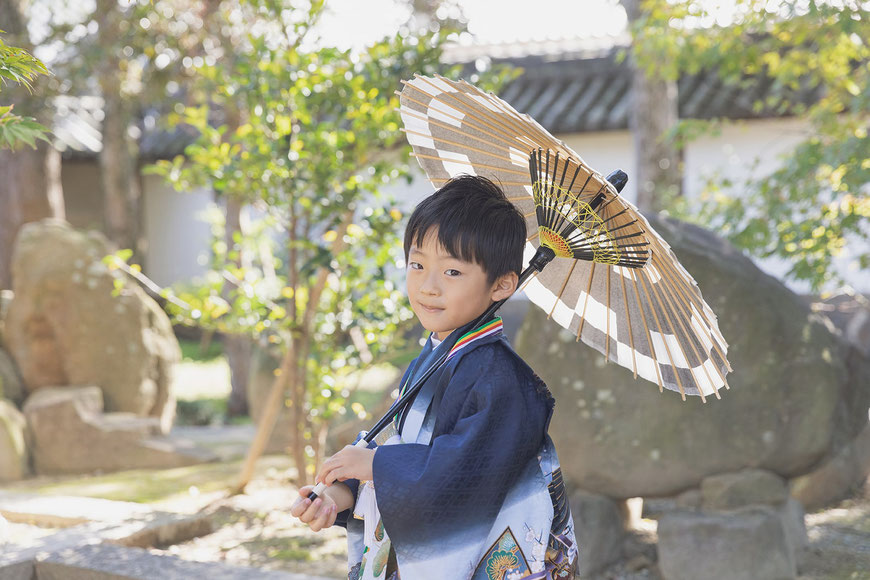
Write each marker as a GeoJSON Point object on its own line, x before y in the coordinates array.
{"type": "Point", "coordinates": [502, 183]}
{"type": "Point", "coordinates": [562, 289]}
{"type": "Point", "coordinates": [512, 129]}
{"type": "Point", "coordinates": [681, 316]}
{"type": "Point", "coordinates": [473, 107]}
{"type": "Point", "coordinates": [507, 142]}
{"type": "Point", "coordinates": [630, 332]}
{"type": "Point", "coordinates": [521, 123]}
{"type": "Point", "coordinates": [697, 301]}
{"type": "Point", "coordinates": [586, 300]}
{"type": "Point", "coordinates": [666, 272]}
{"type": "Point", "coordinates": [660, 292]}
{"type": "Point", "coordinates": [607, 334]}
{"type": "Point", "coordinates": [507, 110]}
{"type": "Point", "coordinates": [649, 341]}
{"type": "Point", "coordinates": [512, 115]}
{"type": "Point", "coordinates": [649, 294]}
{"type": "Point", "coordinates": [527, 282]}
{"type": "Point", "coordinates": [468, 147]}
{"type": "Point", "coordinates": [468, 163]}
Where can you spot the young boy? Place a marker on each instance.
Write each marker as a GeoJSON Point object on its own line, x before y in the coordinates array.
{"type": "Point", "coordinates": [466, 484]}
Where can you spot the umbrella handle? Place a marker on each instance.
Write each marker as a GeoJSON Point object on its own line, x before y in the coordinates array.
{"type": "Point", "coordinates": [320, 487]}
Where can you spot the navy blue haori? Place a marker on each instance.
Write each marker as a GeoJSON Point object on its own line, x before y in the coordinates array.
{"type": "Point", "coordinates": [466, 481]}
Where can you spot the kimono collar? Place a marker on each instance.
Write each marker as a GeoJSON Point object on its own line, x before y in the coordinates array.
{"type": "Point", "coordinates": [492, 327]}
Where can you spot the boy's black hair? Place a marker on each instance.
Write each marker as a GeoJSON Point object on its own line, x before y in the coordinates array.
{"type": "Point", "coordinates": [475, 223]}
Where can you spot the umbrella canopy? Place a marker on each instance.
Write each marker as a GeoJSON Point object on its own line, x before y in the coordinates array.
{"type": "Point", "coordinates": [615, 283]}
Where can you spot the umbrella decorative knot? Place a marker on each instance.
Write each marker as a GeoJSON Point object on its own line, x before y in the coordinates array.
{"type": "Point", "coordinates": [569, 224]}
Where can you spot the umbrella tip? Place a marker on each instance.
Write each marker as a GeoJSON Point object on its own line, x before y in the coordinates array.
{"type": "Point", "coordinates": [618, 179]}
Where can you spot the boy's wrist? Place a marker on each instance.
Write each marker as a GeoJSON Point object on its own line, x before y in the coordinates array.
{"type": "Point", "coordinates": [341, 495]}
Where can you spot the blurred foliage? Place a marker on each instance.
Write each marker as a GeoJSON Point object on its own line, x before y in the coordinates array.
{"type": "Point", "coordinates": [20, 67]}
{"type": "Point", "coordinates": [201, 412]}
{"type": "Point", "coordinates": [816, 202]}
{"type": "Point", "coordinates": [306, 136]}
{"type": "Point", "coordinates": [192, 350]}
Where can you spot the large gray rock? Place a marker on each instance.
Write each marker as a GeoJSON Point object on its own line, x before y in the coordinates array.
{"type": "Point", "coordinates": [837, 477]}
{"type": "Point", "coordinates": [71, 434]}
{"type": "Point", "coordinates": [13, 443]}
{"type": "Point", "coordinates": [797, 390]}
{"type": "Point", "coordinates": [748, 544]}
{"type": "Point", "coordinates": [10, 382]}
{"type": "Point", "coordinates": [65, 326]}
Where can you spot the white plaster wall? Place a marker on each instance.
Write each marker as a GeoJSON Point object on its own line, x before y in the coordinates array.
{"type": "Point", "coordinates": [606, 152]}
{"type": "Point", "coordinates": [753, 149]}
{"type": "Point", "coordinates": [178, 237]}
{"type": "Point", "coordinates": [750, 148]}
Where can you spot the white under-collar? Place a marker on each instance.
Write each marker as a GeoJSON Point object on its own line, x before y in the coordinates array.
{"type": "Point", "coordinates": [435, 341]}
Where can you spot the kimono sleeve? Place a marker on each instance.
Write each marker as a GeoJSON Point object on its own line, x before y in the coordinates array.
{"type": "Point", "coordinates": [342, 518]}
{"type": "Point", "coordinates": [490, 424]}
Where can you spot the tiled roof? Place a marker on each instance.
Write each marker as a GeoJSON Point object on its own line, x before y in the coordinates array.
{"type": "Point", "coordinates": [77, 124]}
{"type": "Point", "coordinates": [569, 86]}
{"type": "Point", "coordinates": [588, 88]}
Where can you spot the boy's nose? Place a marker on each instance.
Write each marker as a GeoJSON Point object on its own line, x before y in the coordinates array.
{"type": "Point", "coordinates": [430, 286]}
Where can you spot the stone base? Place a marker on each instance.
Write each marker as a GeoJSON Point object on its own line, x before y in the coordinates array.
{"type": "Point", "coordinates": [746, 544]}
{"type": "Point", "coordinates": [598, 525]}
{"type": "Point", "coordinates": [71, 434]}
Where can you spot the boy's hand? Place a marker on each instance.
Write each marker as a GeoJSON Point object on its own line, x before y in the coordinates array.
{"type": "Point", "coordinates": [349, 463]}
{"type": "Point", "coordinates": [318, 514]}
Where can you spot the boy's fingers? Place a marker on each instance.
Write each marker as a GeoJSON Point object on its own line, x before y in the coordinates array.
{"type": "Point", "coordinates": [323, 517]}
{"type": "Point", "coordinates": [331, 476]}
{"type": "Point", "coordinates": [311, 513]}
{"type": "Point", "coordinates": [299, 507]}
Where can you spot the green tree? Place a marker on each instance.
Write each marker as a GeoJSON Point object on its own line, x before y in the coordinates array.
{"type": "Point", "coordinates": [815, 203]}
{"type": "Point", "coordinates": [135, 55]}
{"type": "Point", "coordinates": [309, 137]}
{"type": "Point", "coordinates": [31, 188]}
{"type": "Point", "coordinates": [20, 67]}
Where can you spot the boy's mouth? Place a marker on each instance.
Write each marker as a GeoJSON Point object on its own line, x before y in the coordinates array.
{"type": "Point", "coordinates": [430, 308]}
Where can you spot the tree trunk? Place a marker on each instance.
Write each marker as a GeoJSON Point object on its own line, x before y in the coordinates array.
{"type": "Point", "coordinates": [658, 169]}
{"type": "Point", "coordinates": [30, 190]}
{"type": "Point", "coordinates": [30, 184]}
{"type": "Point", "coordinates": [118, 157]}
{"type": "Point", "coordinates": [237, 348]}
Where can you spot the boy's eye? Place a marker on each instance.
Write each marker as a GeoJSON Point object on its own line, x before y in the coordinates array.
{"type": "Point", "coordinates": [415, 266]}
{"type": "Point", "coordinates": [453, 272]}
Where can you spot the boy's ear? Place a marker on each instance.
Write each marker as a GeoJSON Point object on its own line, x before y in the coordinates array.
{"type": "Point", "coordinates": [504, 286]}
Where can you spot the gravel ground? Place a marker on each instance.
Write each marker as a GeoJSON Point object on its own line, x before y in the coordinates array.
{"type": "Point", "coordinates": [257, 530]}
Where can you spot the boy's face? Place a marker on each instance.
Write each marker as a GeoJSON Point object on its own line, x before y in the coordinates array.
{"type": "Point", "coordinates": [446, 292]}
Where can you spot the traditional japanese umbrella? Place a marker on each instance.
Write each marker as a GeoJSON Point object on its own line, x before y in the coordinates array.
{"type": "Point", "coordinates": [595, 264]}
{"type": "Point", "coordinates": [614, 282]}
